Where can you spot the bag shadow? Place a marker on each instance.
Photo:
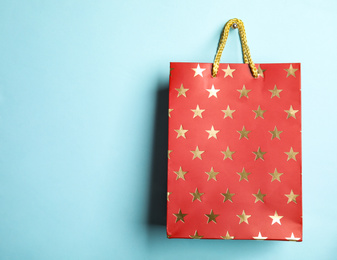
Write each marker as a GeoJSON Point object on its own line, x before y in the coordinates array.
{"type": "Point", "coordinates": [158, 175]}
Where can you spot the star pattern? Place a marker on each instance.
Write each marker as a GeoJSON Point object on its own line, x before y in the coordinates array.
{"type": "Point", "coordinates": [275, 92]}
{"type": "Point", "coordinates": [212, 217]}
{"type": "Point", "coordinates": [276, 218]}
{"type": "Point", "coordinates": [244, 92]}
{"type": "Point", "coordinates": [228, 154]}
{"type": "Point", "coordinates": [228, 112]}
{"type": "Point", "coordinates": [196, 195]}
{"type": "Point", "coordinates": [198, 71]}
{"type": "Point", "coordinates": [228, 71]}
{"type": "Point", "coordinates": [247, 144]}
{"type": "Point", "coordinates": [213, 92]}
{"type": "Point", "coordinates": [197, 153]}
{"type": "Point", "coordinates": [243, 217]}
{"type": "Point", "coordinates": [197, 112]}
{"type": "Point", "coordinates": [212, 174]}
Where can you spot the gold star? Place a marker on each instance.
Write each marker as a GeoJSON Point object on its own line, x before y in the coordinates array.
{"type": "Point", "coordinates": [212, 92]}
{"type": "Point", "coordinates": [197, 111]}
{"type": "Point", "coordinates": [171, 71]}
{"type": "Point", "coordinates": [228, 112]}
{"type": "Point", "coordinates": [212, 216]}
{"type": "Point", "coordinates": [260, 237]}
{"type": "Point", "coordinates": [196, 235]}
{"type": "Point", "coordinates": [168, 153]}
{"type": "Point", "coordinates": [244, 91]}
{"type": "Point", "coordinates": [259, 154]}
{"type": "Point", "coordinates": [228, 196]}
{"type": "Point", "coordinates": [228, 71]}
{"type": "Point", "coordinates": [291, 112]}
{"type": "Point", "coordinates": [228, 236]}
{"type": "Point", "coordinates": [169, 112]}
{"type": "Point", "coordinates": [212, 133]}
{"type": "Point", "coordinates": [243, 217]}
{"type": "Point", "coordinates": [260, 71]}
{"type": "Point", "coordinates": [259, 196]}
{"type": "Point", "coordinates": [180, 174]}
{"type": "Point", "coordinates": [212, 174]}
{"type": "Point", "coordinates": [244, 133]}
{"type": "Point", "coordinates": [275, 133]}
{"type": "Point", "coordinates": [168, 195]}
{"type": "Point", "coordinates": [275, 92]}
{"type": "Point", "coordinates": [181, 132]}
{"type": "Point", "coordinates": [244, 174]}
{"type": "Point", "coordinates": [293, 238]}
{"type": "Point", "coordinates": [228, 154]}
{"type": "Point", "coordinates": [182, 91]}
{"type": "Point", "coordinates": [198, 71]}
{"type": "Point", "coordinates": [276, 175]}
{"type": "Point", "coordinates": [259, 112]}
{"type": "Point", "coordinates": [196, 195]}
{"type": "Point", "coordinates": [180, 216]}
{"type": "Point", "coordinates": [291, 197]}
{"type": "Point", "coordinates": [291, 154]}
{"type": "Point", "coordinates": [291, 71]}
{"type": "Point", "coordinates": [276, 218]}
{"type": "Point", "coordinates": [197, 153]}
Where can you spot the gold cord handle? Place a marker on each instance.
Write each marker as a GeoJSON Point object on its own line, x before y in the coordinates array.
{"type": "Point", "coordinates": [245, 49]}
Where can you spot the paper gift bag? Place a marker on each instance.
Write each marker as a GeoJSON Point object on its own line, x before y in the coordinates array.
{"type": "Point", "coordinates": [234, 158]}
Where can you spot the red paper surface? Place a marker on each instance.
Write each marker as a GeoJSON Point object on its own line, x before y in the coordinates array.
{"type": "Point", "coordinates": [275, 157]}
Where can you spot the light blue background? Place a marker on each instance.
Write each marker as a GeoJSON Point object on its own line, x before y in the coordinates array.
{"type": "Point", "coordinates": [78, 92]}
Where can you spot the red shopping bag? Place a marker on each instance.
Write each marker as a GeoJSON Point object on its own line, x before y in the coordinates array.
{"type": "Point", "coordinates": [234, 159]}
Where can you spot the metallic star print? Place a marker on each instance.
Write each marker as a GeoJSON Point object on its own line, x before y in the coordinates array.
{"type": "Point", "coordinates": [228, 154]}
{"type": "Point", "coordinates": [276, 175]}
{"type": "Point", "coordinates": [275, 92]}
{"type": "Point", "coordinates": [260, 237]}
{"type": "Point", "coordinates": [196, 235]}
{"type": "Point", "coordinates": [169, 112]}
{"type": "Point", "coordinates": [243, 217]}
{"type": "Point", "coordinates": [197, 112]}
{"type": "Point", "coordinates": [180, 174]}
{"type": "Point", "coordinates": [291, 154]}
{"type": "Point", "coordinates": [275, 133]}
{"type": "Point", "coordinates": [291, 112]}
{"type": "Point", "coordinates": [196, 195]}
{"type": "Point", "coordinates": [212, 216]}
{"type": "Point", "coordinates": [228, 72]}
{"type": "Point", "coordinates": [244, 92]}
{"type": "Point", "coordinates": [291, 71]}
{"type": "Point", "coordinates": [260, 71]}
{"type": "Point", "coordinates": [293, 238]}
{"type": "Point", "coordinates": [212, 92]}
{"type": "Point", "coordinates": [197, 153]}
{"type": "Point", "coordinates": [291, 197]}
{"type": "Point", "coordinates": [171, 71]}
{"type": "Point", "coordinates": [228, 196]}
{"type": "Point", "coordinates": [276, 218]}
{"type": "Point", "coordinates": [259, 112]}
{"type": "Point", "coordinates": [212, 133]}
{"type": "Point", "coordinates": [168, 153]}
{"type": "Point", "coordinates": [198, 71]}
{"type": "Point", "coordinates": [244, 133]}
{"type": "Point", "coordinates": [212, 174]}
{"type": "Point", "coordinates": [259, 196]}
{"type": "Point", "coordinates": [228, 112]}
{"type": "Point", "coordinates": [181, 132]}
{"type": "Point", "coordinates": [182, 91]}
{"type": "Point", "coordinates": [180, 216]}
{"type": "Point", "coordinates": [228, 236]}
{"type": "Point", "coordinates": [259, 154]}
{"type": "Point", "coordinates": [168, 195]}
{"type": "Point", "coordinates": [244, 175]}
